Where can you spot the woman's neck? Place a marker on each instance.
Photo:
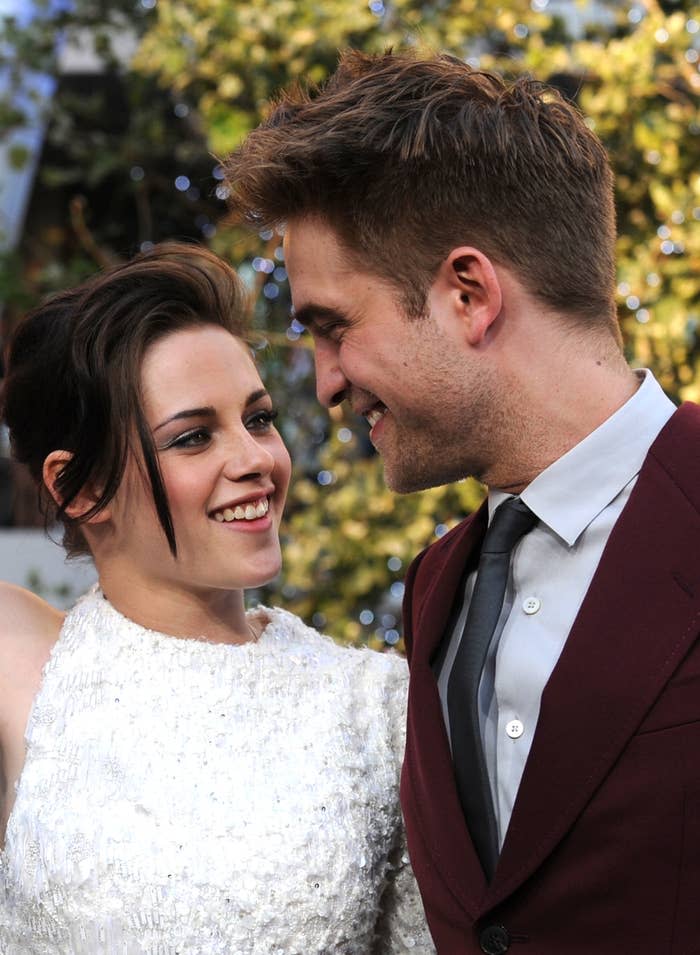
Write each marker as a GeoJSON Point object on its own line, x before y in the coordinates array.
{"type": "Point", "coordinates": [215, 615]}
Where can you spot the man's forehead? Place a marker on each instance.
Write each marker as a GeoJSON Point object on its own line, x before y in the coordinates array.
{"type": "Point", "coordinates": [311, 242]}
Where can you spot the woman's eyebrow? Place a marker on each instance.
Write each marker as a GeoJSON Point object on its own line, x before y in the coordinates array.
{"type": "Point", "coordinates": [208, 411]}
{"type": "Point", "coordinates": [256, 396]}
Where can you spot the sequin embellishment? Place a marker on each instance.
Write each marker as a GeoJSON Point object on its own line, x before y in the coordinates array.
{"type": "Point", "coordinates": [184, 797]}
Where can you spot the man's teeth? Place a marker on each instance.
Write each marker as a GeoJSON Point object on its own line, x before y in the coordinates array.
{"type": "Point", "coordinates": [243, 512]}
{"type": "Point", "coordinates": [375, 415]}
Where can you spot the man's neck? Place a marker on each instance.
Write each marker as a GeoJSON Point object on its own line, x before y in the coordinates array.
{"type": "Point", "coordinates": [553, 409]}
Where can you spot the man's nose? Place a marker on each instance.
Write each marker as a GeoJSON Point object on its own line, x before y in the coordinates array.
{"type": "Point", "coordinates": [331, 383]}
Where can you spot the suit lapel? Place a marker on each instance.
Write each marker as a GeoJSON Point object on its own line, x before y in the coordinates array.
{"type": "Point", "coordinates": [639, 618]}
{"type": "Point", "coordinates": [455, 557]}
{"type": "Point", "coordinates": [428, 765]}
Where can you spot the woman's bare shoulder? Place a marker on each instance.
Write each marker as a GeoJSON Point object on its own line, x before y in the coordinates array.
{"type": "Point", "coordinates": [29, 626]}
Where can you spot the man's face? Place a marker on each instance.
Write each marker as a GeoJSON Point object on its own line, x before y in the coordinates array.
{"type": "Point", "coordinates": [407, 376]}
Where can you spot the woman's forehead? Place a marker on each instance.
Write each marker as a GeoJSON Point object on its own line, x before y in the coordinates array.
{"type": "Point", "coordinates": [200, 361]}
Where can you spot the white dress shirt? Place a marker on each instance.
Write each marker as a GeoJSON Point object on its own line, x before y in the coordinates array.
{"type": "Point", "coordinates": [577, 499]}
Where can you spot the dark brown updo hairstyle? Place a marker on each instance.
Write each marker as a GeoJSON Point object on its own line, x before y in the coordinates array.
{"type": "Point", "coordinates": [74, 366]}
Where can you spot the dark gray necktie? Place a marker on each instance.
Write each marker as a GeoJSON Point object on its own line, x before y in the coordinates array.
{"type": "Point", "coordinates": [511, 521]}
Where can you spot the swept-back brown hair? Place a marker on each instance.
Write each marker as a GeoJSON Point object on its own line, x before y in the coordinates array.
{"type": "Point", "coordinates": [408, 158]}
{"type": "Point", "coordinates": [74, 369]}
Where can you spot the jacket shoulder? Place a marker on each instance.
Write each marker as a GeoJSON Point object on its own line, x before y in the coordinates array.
{"type": "Point", "coordinates": [440, 550]}
{"type": "Point", "coordinates": [676, 451]}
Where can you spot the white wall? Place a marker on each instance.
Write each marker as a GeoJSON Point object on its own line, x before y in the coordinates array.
{"type": "Point", "coordinates": [30, 559]}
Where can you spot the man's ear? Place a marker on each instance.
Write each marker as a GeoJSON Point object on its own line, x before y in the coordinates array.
{"type": "Point", "coordinates": [474, 286]}
{"type": "Point", "coordinates": [53, 466]}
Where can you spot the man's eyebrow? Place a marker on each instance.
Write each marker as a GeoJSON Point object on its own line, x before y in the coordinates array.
{"type": "Point", "coordinates": [312, 316]}
{"type": "Point", "coordinates": [207, 411]}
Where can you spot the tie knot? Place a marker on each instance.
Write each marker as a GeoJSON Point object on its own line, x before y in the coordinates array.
{"type": "Point", "coordinates": [511, 520]}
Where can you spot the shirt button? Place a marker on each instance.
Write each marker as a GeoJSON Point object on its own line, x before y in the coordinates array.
{"type": "Point", "coordinates": [531, 604]}
{"type": "Point", "coordinates": [515, 729]}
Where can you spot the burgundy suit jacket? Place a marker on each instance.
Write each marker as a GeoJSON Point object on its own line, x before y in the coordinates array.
{"type": "Point", "coordinates": [602, 855]}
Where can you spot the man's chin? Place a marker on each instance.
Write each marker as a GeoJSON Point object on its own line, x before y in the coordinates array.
{"type": "Point", "coordinates": [403, 481]}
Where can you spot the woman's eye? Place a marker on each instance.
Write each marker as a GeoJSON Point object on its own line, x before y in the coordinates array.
{"type": "Point", "coordinates": [191, 439]}
{"type": "Point", "coordinates": [261, 420]}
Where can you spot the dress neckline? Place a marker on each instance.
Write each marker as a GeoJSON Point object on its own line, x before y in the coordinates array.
{"type": "Point", "coordinates": [97, 600]}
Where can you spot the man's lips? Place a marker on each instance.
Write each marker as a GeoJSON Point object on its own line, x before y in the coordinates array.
{"type": "Point", "coordinates": [375, 419]}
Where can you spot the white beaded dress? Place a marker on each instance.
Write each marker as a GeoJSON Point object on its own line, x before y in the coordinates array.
{"type": "Point", "coordinates": [183, 797]}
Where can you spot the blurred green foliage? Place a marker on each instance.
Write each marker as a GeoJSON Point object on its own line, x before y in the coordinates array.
{"type": "Point", "coordinates": [115, 143]}
{"type": "Point", "coordinates": [215, 65]}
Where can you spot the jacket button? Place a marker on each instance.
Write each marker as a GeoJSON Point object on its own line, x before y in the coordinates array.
{"type": "Point", "coordinates": [494, 940]}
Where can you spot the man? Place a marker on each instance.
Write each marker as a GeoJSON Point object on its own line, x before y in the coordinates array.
{"type": "Point", "coordinates": [450, 246]}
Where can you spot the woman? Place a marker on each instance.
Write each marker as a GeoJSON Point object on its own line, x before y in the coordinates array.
{"type": "Point", "coordinates": [195, 779]}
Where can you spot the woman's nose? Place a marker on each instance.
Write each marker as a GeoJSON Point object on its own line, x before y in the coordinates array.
{"type": "Point", "coordinates": [247, 459]}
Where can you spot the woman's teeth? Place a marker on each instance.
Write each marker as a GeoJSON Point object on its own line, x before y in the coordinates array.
{"type": "Point", "coordinates": [243, 512]}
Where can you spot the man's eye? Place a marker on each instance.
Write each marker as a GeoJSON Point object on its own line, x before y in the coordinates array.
{"type": "Point", "coordinates": [191, 439]}
{"type": "Point", "coordinates": [331, 329]}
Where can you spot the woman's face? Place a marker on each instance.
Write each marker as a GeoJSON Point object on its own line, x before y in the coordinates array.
{"type": "Point", "coordinates": [224, 468]}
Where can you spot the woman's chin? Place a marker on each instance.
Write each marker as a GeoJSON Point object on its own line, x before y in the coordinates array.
{"type": "Point", "coordinates": [263, 574]}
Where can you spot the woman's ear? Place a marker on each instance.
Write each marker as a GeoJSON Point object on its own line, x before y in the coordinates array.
{"type": "Point", "coordinates": [54, 464]}
{"type": "Point", "coordinates": [474, 282]}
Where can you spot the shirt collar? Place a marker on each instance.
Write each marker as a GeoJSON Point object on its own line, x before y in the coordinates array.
{"type": "Point", "coordinates": [575, 488]}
